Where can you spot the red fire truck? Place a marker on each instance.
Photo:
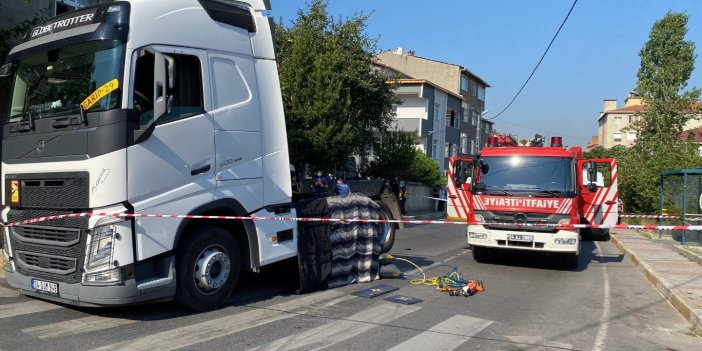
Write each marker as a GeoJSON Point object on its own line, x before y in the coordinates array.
{"type": "Point", "coordinates": [527, 197]}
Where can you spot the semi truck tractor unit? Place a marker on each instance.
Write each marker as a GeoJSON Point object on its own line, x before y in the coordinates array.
{"type": "Point", "coordinates": [526, 197]}
{"type": "Point", "coordinates": [143, 106]}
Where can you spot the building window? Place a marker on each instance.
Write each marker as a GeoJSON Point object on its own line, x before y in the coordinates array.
{"type": "Point", "coordinates": [487, 128]}
{"type": "Point", "coordinates": [472, 146]}
{"type": "Point", "coordinates": [617, 137]}
{"type": "Point", "coordinates": [454, 150]}
{"type": "Point", "coordinates": [464, 83]}
{"type": "Point", "coordinates": [435, 149]}
{"type": "Point", "coordinates": [474, 117]}
{"type": "Point", "coordinates": [631, 135]}
{"type": "Point", "coordinates": [437, 110]}
{"type": "Point", "coordinates": [451, 118]}
{"type": "Point", "coordinates": [464, 143]}
{"type": "Point", "coordinates": [481, 93]}
{"type": "Point", "coordinates": [618, 120]}
{"type": "Point", "coordinates": [447, 150]}
{"type": "Point", "coordinates": [464, 115]}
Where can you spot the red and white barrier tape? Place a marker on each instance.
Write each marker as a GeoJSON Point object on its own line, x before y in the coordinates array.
{"type": "Point", "coordinates": [647, 216]}
{"type": "Point", "coordinates": [348, 220]}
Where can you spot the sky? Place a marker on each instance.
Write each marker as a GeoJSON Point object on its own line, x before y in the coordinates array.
{"type": "Point", "coordinates": [595, 56]}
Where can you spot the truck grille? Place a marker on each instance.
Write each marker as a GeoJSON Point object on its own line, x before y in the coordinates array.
{"type": "Point", "coordinates": [47, 235]}
{"type": "Point", "coordinates": [53, 250]}
{"type": "Point", "coordinates": [46, 263]}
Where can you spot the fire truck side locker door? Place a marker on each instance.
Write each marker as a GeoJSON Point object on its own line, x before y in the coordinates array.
{"type": "Point", "coordinates": [600, 207]}
{"type": "Point", "coordinates": [460, 177]}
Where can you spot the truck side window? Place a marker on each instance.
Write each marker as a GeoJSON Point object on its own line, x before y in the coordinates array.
{"type": "Point", "coordinates": [187, 92]}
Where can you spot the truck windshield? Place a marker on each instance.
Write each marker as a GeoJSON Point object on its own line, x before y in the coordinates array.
{"type": "Point", "coordinates": [532, 175]}
{"type": "Point", "coordinates": [55, 83]}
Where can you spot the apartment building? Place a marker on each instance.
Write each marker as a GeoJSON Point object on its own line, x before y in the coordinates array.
{"type": "Point", "coordinates": [457, 127]}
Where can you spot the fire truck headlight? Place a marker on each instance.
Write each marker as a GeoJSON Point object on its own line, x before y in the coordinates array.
{"type": "Point", "coordinates": [482, 236]}
{"type": "Point", "coordinates": [564, 221]}
{"type": "Point", "coordinates": [479, 218]}
{"type": "Point", "coordinates": [101, 246]}
{"type": "Point", "coordinates": [563, 241]}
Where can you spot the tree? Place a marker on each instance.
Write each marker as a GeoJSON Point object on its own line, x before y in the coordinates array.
{"type": "Point", "coordinates": [394, 153]}
{"type": "Point", "coordinates": [667, 61]}
{"type": "Point", "coordinates": [425, 170]}
{"type": "Point", "coordinates": [334, 99]}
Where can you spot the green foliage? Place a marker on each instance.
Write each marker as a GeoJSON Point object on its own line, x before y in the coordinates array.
{"type": "Point", "coordinates": [425, 170]}
{"type": "Point", "coordinates": [334, 99]}
{"type": "Point", "coordinates": [667, 61]}
{"type": "Point", "coordinates": [393, 155]}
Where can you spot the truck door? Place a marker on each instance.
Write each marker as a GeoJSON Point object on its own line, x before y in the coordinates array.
{"type": "Point", "coordinates": [599, 206]}
{"type": "Point", "coordinates": [170, 167]}
{"type": "Point", "coordinates": [460, 178]}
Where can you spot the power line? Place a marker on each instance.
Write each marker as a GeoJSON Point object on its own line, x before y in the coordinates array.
{"type": "Point", "coordinates": [538, 64]}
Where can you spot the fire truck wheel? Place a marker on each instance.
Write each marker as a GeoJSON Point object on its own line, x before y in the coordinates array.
{"type": "Point", "coordinates": [208, 264]}
{"type": "Point", "coordinates": [386, 231]}
{"type": "Point", "coordinates": [480, 254]}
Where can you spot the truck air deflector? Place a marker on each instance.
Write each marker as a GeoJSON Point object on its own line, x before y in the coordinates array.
{"type": "Point", "coordinates": [229, 13]}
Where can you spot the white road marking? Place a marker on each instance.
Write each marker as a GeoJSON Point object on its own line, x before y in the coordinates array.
{"type": "Point", "coordinates": [6, 292]}
{"type": "Point", "coordinates": [445, 336]}
{"type": "Point", "coordinates": [604, 326]}
{"type": "Point", "coordinates": [329, 334]}
{"type": "Point", "coordinates": [21, 308]}
{"type": "Point", "coordinates": [538, 341]}
{"type": "Point", "coordinates": [223, 326]}
{"type": "Point", "coordinates": [76, 326]}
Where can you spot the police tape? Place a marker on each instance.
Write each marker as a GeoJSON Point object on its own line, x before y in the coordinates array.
{"type": "Point", "coordinates": [648, 216]}
{"type": "Point", "coordinates": [354, 220]}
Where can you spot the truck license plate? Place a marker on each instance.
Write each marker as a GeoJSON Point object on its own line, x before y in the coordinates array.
{"type": "Point", "coordinates": [520, 237]}
{"type": "Point", "coordinates": [45, 287]}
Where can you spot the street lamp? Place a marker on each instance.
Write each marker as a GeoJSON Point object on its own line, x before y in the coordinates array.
{"type": "Point", "coordinates": [477, 135]}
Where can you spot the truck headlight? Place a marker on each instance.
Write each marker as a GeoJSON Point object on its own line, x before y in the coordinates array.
{"type": "Point", "coordinates": [104, 277]}
{"type": "Point", "coordinates": [479, 218]}
{"type": "Point", "coordinates": [563, 241]}
{"type": "Point", "coordinates": [101, 247]}
{"type": "Point", "coordinates": [482, 236]}
{"type": "Point", "coordinates": [564, 221]}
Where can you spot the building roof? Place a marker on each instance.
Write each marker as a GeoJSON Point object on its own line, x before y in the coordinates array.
{"type": "Point", "coordinates": [628, 109]}
{"type": "Point", "coordinates": [412, 81]}
{"type": "Point", "coordinates": [697, 136]}
{"type": "Point", "coordinates": [463, 69]}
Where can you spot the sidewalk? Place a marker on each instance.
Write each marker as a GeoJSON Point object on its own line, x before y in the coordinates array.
{"type": "Point", "coordinates": [677, 277]}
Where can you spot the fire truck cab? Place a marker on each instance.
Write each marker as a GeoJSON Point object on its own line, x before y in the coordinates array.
{"type": "Point", "coordinates": [529, 197]}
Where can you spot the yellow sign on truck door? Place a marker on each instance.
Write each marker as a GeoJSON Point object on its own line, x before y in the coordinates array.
{"type": "Point", "coordinates": [99, 93]}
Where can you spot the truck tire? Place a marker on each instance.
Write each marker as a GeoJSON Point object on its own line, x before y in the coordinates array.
{"type": "Point", "coordinates": [480, 254]}
{"type": "Point", "coordinates": [208, 264]}
{"type": "Point", "coordinates": [386, 231]}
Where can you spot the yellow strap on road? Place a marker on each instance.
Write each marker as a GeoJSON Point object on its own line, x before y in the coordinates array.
{"type": "Point", "coordinates": [99, 93]}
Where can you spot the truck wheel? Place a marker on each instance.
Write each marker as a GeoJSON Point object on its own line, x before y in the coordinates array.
{"type": "Point", "coordinates": [604, 235]}
{"type": "Point", "coordinates": [208, 264]}
{"type": "Point", "coordinates": [386, 232]}
{"type": "Point", "coordinates": [480, 254]}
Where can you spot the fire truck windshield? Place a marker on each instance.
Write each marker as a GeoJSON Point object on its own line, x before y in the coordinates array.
{"type": "Point", "coordinates": [57, 82]}
{"type": "Point", "coordinates": [529, 175]}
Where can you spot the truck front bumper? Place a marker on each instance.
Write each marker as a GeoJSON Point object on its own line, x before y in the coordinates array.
{"type": "Point", "coordinates": [78, 294]}
{"type": "Point", "coordinates": [562, 241]}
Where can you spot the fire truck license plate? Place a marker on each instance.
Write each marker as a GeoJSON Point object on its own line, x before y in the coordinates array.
{"type": "Point", "coordinates": [520, 237]}
{"type": "Point", "coordinates": [45, 287]}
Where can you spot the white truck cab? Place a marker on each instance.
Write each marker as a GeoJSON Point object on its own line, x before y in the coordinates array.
{"type": "Point", "coordinates": [144, 106]}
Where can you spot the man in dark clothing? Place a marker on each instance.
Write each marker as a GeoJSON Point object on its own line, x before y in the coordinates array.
{"type": "Point", "coordinates": [319, 184]}
{"type": "Point", "coordinates": [341, 188]}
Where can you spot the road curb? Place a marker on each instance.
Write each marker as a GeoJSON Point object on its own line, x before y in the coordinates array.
{"type": "Point", "coordinates": [674, 297]}
{"type": "Point", "coordinates": [688, 254]}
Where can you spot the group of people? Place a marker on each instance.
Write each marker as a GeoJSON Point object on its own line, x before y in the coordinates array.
{"type": "Point", "coordinates": [320, 185]}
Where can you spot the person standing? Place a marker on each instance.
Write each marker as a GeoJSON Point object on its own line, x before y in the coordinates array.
{"type": "Point", "coordinates": [341, 188]}
{"type": "Point", "coordinates": [319, 184]}
{"type": "Point", "coordinates": [435, 195]}
{"type": "Point", "coordinates": [402, 197]}
{"type": "Point", "coordinates": [442, 197]}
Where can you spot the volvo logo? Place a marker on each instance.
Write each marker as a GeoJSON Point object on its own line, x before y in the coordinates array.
{"type": "Point", "coordinates": [520, 218]}
{"type": "Point", "coordinates": [40, 145]}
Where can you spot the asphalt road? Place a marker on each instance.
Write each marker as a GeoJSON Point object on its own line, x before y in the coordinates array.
{"type": "Point", "coordinates": [529, 304]}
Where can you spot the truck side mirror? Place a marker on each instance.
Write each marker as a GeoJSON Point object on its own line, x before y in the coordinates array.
{"type": "Point", "coordinates": [592, 187]}
{"type": "Point", "coordinates": [484, 168]}
{"type": "Point", "coordinates": [591, 171]}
